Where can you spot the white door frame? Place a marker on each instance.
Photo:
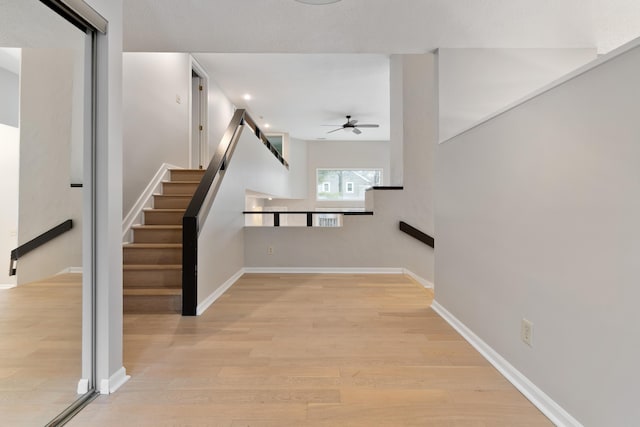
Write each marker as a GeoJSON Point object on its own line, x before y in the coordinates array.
{"type": "Point", "coordinates": [199, 147]}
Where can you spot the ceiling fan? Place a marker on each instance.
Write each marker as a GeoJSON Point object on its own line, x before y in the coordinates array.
{"type": "Point", "coordinates": [351, 125]}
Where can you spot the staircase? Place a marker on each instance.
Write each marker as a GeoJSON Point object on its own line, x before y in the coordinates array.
{"type": "Point", "coordinates": [152, 263]}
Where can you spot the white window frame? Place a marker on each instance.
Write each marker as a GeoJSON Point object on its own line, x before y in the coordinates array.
{"type": "Point", "coordinates": [346, 187]}
{"type": "Point", "coordinates": [322, 189]}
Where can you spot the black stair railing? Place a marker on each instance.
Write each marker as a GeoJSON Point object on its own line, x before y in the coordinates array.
{"type": "Point", "coordinates": [200, 204]}
{"type": "Point", "coordinates": [35, 243]}
{"type": "Point", "coordinates": [417, 234]}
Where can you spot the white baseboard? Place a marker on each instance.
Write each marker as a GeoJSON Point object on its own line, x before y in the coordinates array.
{"type": "Point", "coordinates": [7, 285]}
{"type": "Point", "coordinates": [202, 307]}
{"type": "Point", "coordinates": [83, 386]}
{"type": "Point", "coordinates": [540, 399]}
{"type": "Point", "coordinates": [70, 270]}
{"type": "Point", "coordinates": [424, 282]}
{"type": "Point", "coordinates": [134, 216]}
{"type": "Point", "coordinates": [324, 270]}
{"type": "Point", "coordinates": [108, 386]}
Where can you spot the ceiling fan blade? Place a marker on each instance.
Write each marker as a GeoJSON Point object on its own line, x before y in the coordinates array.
{"type": "Point", "coordinates": [333, 126]}
{"type": "Point", "coordinates": [352, 122]}
{"type": "Point", "coordinates": [335, 130]}
{"type": "Point", "coordinates": [368, 126]}
{"type": "Point", "coordinates": [357, 131]}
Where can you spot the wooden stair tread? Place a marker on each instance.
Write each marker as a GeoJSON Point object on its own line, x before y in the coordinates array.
{"type": "Point", "coordinates": [150, 267]}
{"type": "Point", "coordinates": [144, 292]}
{"type": "Point", "coordinates": [153, 245]}
{"type": "Point", "coordinates": [156, 227]}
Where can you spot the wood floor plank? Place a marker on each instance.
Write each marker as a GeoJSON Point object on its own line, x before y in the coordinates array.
{"type": "Point", "coordinates": [40, 349]}
{"type": "Point", "coordinates": [308, 350]}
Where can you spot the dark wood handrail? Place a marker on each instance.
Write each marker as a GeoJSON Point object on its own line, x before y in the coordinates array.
{"type": "Point", "coordinates": [336, 212]}
{"type": "Point", "coordinates": [417, 234]}
{"type": "Point", "coordinates": [387, 187]}
{"type": "Point", "coordinates": [198, 209]}
{"type": "Point", "coordinates": [309, 214]}
{"type": "Point", "coordinates": [36, 242]}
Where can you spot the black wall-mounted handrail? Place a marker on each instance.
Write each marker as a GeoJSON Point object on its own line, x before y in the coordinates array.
{"type": "Point", "coordinates": [36, 243]}
{"type": "Point", "coordinates": [198, 208]}
{"type": "Point", "coordinates": [387, 187]}
{"type": "Point", "coordinates": [417, 234]}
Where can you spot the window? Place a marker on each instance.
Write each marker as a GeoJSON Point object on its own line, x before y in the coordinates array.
{"type": "Point", "coordinates": [345, 184]}
{"type": "Point", "coordinates": [327, 220]}
{"type": "Point", "coordinates": [276, 141]}
{"type": "Point", "coordinates": [279, 141]}
{"type": "Point", "coordinates": [349, 187]}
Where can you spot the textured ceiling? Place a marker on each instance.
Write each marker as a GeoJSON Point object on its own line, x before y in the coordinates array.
{"type": "Point", "coordinates": [297, 93]}
{"type": "Point", "coordinates": [373, 26]}
{"type": "Point", "coordinates": [320, 90]}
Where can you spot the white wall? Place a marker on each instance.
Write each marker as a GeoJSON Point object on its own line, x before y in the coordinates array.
{"type": "Point", "coordinates": [362, 242]}
{"type": "Point", "coordinates": [474, 83]}
{"type": "Point", "coordinates": [419, 142]}
{"type": "Point", "coordinates": [155, 126]}
{"type": "Point", "coordinates": [220, 111]}
{"type": "Point", "coordinates": [9, 181]}
{"type": "Point", "coordinates": [537, 216]}
{"type": "Point", "coordinates": [298, 155]}
{"type": "Point", "coordinates": [396, 174]}
{"type": "Point", "coordinates": [9, 100]}
{"type": "Point", "coordinates": [221, 243]}
{"type": "Point", "coordinates": [45, 196]}
{"type": "Point", "coordinates": [368, 241]}
{"type": "Point", "coordinates": [311, 155]}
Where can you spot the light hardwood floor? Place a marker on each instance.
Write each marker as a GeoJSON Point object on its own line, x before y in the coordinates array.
{"type": "Point", "coordinates": [40, 350]}
{"type": "Point", "coordinates": [294, 350]}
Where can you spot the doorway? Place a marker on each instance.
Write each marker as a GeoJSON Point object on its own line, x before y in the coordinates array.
{"type": "Point", "coordinates": [198, 141]}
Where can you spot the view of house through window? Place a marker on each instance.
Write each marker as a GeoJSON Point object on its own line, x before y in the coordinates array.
{"type": "Point", "coordinates": [345, 184]}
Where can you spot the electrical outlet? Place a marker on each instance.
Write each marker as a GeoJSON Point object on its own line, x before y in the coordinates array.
{"type": "Point", "coordinates": [178, 99]}
{"type": "Point", "coordinates": [526, 332]}
{"type": "Point", "coordinates": [270, 250]}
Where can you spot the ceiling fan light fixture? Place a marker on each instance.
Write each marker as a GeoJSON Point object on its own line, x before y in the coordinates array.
{"type": "Point", "coordinates": [317, 2]}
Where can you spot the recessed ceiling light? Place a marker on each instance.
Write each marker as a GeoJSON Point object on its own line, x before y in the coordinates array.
{"type": "Point", "coordinates": [317, 2]}
{"type": "Point", "coordinates": [246, 96]}
{"type": "Point", "coordinates": [267, 125]}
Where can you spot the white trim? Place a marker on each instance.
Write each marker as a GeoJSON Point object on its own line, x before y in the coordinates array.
{"type": "Point", "coordinates": [83, 386]}
{"type": "Point", "coordinates": [194, 65]}
{"type": "Point", "coordinates": [424, 282]}
{"type": "Point", "coordinates": [324, 270]}
{"type": "Point", "coordinates": [202, 307]}
{"type": "Point", "coordinates": [70, 270]}
{"type": "Point", "coordinates": [562, 80]}
{"type": "Point", "coordinates": [145, 200]}
{"type": "Point", "coordinates": [111, 385]}
{"type": "Point", "coordinates": [539, 398]}
{"type": "Point", "coordinates": [4, 286]}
